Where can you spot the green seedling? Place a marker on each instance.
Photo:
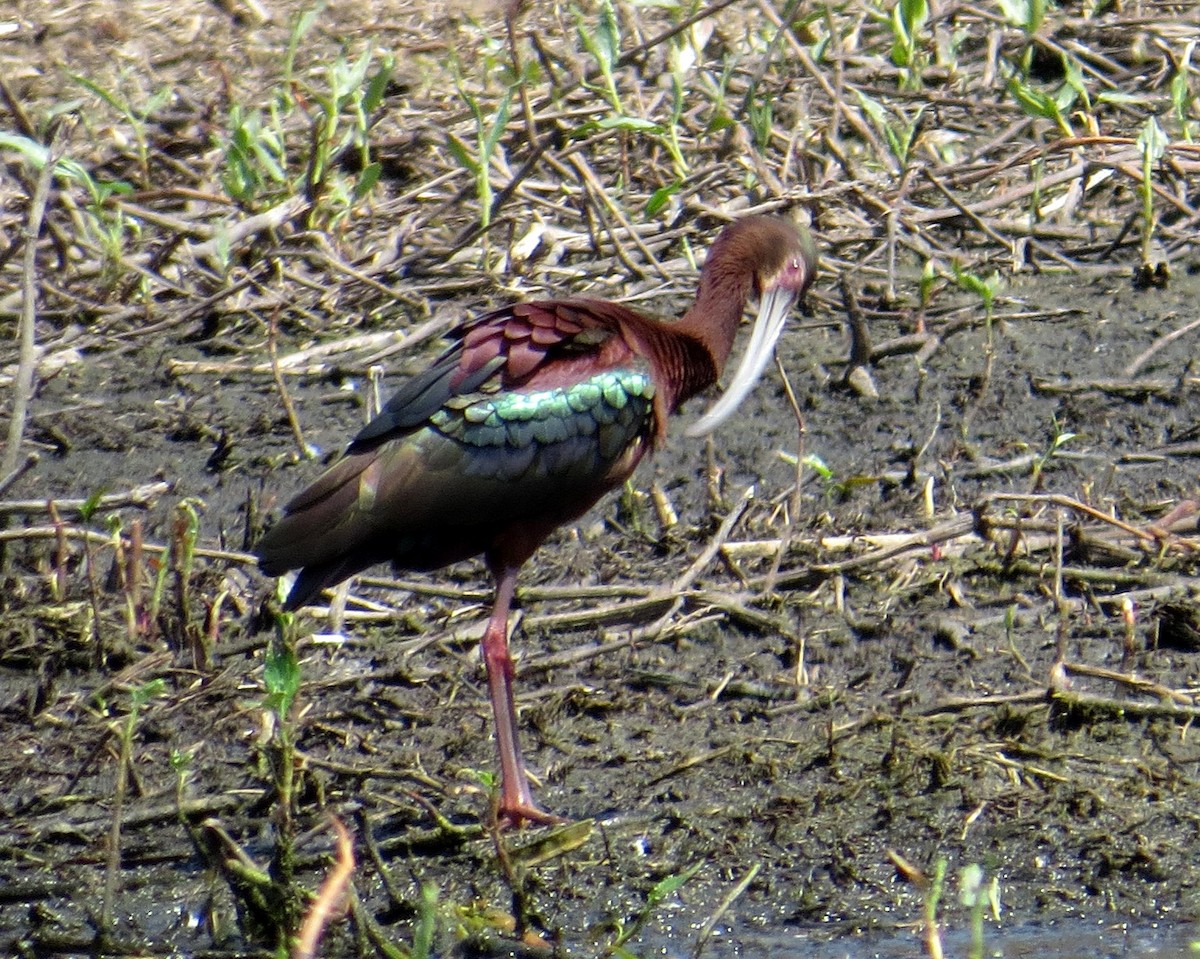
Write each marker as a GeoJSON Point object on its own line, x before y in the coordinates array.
{"type": "Point", "coordinates": [661, 197]}
{"type": "Point", "coordinates": [255, 144]}
{"type": "Point", "coordinates": [352, 93]}
{"type": "Point", "coordinates": [488, 132]}
{"type": "Point", "coordinates": [900, 133]}
{"type": "Point", "coordinates": [263, 164]}
{"type": "Point", "coordinates": [255, 155]}
{"type": "Point", "coordinates": [426, 924]}
{"type": "Point", "coordinates": [631, 511]}
{"type": "Point", "coordinates": [833, 487]}
{"type": "Point", "coordinates": [816, 464]}
{"type": "Point", "coordinates": [1152, 143]}
{"type": "Point", "coordinates": [683, 57]}
{"type": "Point", "coordinates": [986, 291]}
{"type": "Point", "coordinates": [281, 681]}
{"type": "Point", "coordinates": [185, 530]}
{"type": "Point", "coordinates": [717, 96]}
{"type": "Point", "coordinates": [1039, 104]}
{"type": "Point", "coordinates": [926, 285]}
{"type": "Point", "coordinates": [303, 23]}
{"type": "Point", "coordinates": [1027, 16]}
{"type": "Point", "coordinates": [105, 224]}
{"type": "Point", "coordinates": [138, 698]}
{"type": "Point", "coordinates": [281, 675]}
{"type": "Point", "coordinates": [978, 897]}
{"type": "Point", "coordinates": [1058, 439]}
{"type": "Point", "coordinates": [181, 761]}
{"type": "Point", "coordinates": [933, 898]}
{"type": "Point", "coordinates": [657, 895]}
{"type": "Point", "coordinates": [1182, 98]}
{"type": "Point", "coordinates": [761, 115]}
{"type": "Point", "coordinates": [127, 564]}
{"type": "Point", "coordinates": [1073, 80]}
{"type": "Point", "coordinates": [670, 136]}
{"type": "Point", "coordinates": [908, 41]}
{"type": "Point", "coordinates": [136, 116]}
{"type": "Point", "coordinates": [603, 42]}
{"type": "Point", "coordinates": [270, 904]}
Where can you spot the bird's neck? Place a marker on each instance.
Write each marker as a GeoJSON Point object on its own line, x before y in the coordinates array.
{"type": "Point", "coordinates": [713, 322]}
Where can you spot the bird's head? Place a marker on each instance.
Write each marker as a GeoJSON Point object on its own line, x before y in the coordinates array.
{"type": "Point", "coordinates": [781, 259]}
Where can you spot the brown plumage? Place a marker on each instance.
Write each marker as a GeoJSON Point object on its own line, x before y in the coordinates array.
{"type": "Point", "coordinates": [535, 412]}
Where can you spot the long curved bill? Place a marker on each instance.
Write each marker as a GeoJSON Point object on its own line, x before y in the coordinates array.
{"type": "Point", "coordinates": [773, 309]}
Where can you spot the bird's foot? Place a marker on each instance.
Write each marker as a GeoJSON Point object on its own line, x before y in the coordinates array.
{"type": "Point", "coordinates": [514, 815]}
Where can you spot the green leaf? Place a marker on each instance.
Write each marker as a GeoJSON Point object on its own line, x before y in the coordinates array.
{"type": "Point", "coordinates": [107, 96]}
{"type": "Point", "coordinates": [1073, 82]}
{"type": "Point", "coordinates": [660, 197]}
{"type": "Point", "coordinates": [281, 676]}
{"type": "Point", "coordinates": [621, 122]}
{"type": "Point", "coordinates": [461, 153]}
{"type": "Point", "coordinates": [266, 154]}
{"type": "Point", "coordinates": [722, 121]}
{"type": "Point", "coordinates": [908, 18]}
{"type": "Point", "coordinates": [1041, 105]}
{"type": "Point", "coordinates": [634, 124]}
{"type": "Point", "coordinates": [1152, 142]}
{"type": "Point", "coordinates": [1036, 15]}
{"type": "Point", "coordinates": [1025, 14]}
{"type": "Point", "coordinates": [873, 109]}
{"type": "Point", "coordinates": [914, 14]}
{"type": "Point", "coordinates": [158, 100]}
{"type": "Point", "coordinates": [818, 466]}
{"type": "Point", "coordinates": [1014, 11]}
{"type": "Point", "coordinates": [147, 691]}
{"type": "Point", "coordinates": [499, 122]}
{"type": "Point", "coordinates": [367, 179]}
{"type": "Point", "coordinates": [301, 26]}
{"type": "Point", "coordinates": [984, 289]}
{"type": "Point", "coordinates": [928, 279]}
{"type": "Point", "coordinates": [90, 505]}
{"type": "Point", "coordinates": [1034, 102]}
{"type": "Point", "coordinates": [671, 884]}
{"type": "Point", "coordinates": [377, 86]}
{"type": "Point", "coordinates": [1127, 99]}
{"type": "Point", "coordinates": [608, 37]}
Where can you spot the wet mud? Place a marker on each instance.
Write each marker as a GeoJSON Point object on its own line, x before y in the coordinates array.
{"type": "Point", "coordinates": [968, 698]}
{"type": "Point", "coordinates": [939, 615]}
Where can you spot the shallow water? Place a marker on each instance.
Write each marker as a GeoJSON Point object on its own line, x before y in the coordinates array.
{"type": "Point", "coordinates": [1073, 939]}
{"type": "Point", "coordinates": [1070, 939]}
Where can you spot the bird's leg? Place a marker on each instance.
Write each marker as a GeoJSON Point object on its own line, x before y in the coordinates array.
{"type": "Point", "coordinates": [516, 799]}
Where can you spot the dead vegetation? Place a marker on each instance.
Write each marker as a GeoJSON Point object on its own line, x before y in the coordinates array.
{"type": "Point", "coordinates": [981, 628]}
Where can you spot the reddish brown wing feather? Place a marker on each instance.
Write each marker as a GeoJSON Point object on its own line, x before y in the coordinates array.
{"type": "Point", "coordinates": [380, 501]}
{"type": "Point", "coordinates": [526, 335]}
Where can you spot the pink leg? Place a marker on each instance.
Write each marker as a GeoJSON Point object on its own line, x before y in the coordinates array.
{"type": "Point", "coordinates": [516, 799]}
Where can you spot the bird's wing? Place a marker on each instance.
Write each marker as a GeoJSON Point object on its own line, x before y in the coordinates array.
{"type": "Point", "coordinates": [531, 415]}
{"type": "Point", "coordinates": [516, 348]}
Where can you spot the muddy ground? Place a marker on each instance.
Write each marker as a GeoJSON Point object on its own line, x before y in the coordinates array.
{"type": "Point", "coordinates": [971, 637]}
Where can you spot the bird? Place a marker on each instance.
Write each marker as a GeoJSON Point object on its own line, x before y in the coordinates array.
{"type": "Point", "coordinates": [533, 413]}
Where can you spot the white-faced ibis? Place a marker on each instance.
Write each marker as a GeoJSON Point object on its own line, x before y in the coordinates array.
{"type": "Point", "coordinates": [535, 412]}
